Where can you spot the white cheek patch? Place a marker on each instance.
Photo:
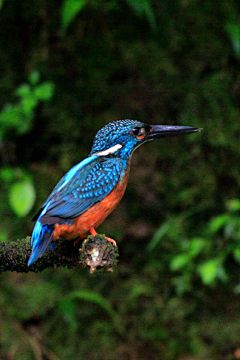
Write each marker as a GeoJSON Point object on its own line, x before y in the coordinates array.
{"type": "Point", "coordinates": [109, 151]}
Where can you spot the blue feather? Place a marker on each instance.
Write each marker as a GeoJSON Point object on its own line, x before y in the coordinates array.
{"type": "Point", "coordinates": [81, 168]}
{"type": "Point", "coordinates": [74, 194]}
{"type": "Point", "coordinates": [95, 177]}
{"type": "Point", "coordinates": [85, 184]}
{"type": "Point", "coordinates": [41, 238]}
{"type": "Point", "coordinates": [83, 189]}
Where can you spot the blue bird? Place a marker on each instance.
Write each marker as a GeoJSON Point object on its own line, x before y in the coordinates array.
{"type": "Point", "coordinates": [90, 191]}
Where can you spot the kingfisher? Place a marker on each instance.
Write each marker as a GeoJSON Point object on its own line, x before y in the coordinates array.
{"type": "Point", "coordinates": [89, 191]}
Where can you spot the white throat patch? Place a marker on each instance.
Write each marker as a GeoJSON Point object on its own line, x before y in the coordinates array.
{"type": "Point", "coordinates": [109, 151]}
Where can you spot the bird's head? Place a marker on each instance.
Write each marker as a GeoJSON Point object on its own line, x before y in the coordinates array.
{"type": "Point", "coordinates": [122, 137]}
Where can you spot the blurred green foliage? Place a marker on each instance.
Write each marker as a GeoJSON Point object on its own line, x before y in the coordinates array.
{"type": "Point", "coordinates": [175, 294]}
{"type": "Point", "coordinates": [19, 117]}
{"type": "Point", "coordinates": [207, 256]}
{"type": "Point", "coordinates": [70, 10]}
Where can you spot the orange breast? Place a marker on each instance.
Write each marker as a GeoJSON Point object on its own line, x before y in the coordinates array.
{"type": "Point", "coordinates": [94, 216]}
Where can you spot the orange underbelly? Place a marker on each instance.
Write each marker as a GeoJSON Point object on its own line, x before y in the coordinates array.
{"type": "Point", "coordinates": [92, 217]}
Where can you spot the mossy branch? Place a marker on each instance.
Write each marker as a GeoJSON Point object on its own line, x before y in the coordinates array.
{"type": "Point", "coordinates": [96, 253]}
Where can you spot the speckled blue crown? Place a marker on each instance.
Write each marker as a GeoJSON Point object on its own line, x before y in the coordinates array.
{"type": "Point", "coordinates": [112, 132]}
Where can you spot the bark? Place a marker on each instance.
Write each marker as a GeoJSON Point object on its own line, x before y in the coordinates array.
{"type": "Point", "coordinates": [96, 253]}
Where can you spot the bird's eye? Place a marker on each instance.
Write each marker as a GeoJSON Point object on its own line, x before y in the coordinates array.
{"type": "Point", "coordinates": [135, 131]}
{"type": "Point", "coordinates": [139, 132]}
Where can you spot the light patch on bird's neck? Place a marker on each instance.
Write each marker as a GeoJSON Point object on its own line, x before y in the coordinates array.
{"type": "Point", "coordinates": [109, 151]}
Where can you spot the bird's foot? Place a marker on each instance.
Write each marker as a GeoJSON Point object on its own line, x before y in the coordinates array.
{"type": "Point", "coordinates": [111, 240]}
{"type": "Point", "coordinates": [93, 233]}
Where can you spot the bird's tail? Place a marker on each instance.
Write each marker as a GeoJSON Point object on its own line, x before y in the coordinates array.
{"type": "Point", "coordinates": [41, 239]}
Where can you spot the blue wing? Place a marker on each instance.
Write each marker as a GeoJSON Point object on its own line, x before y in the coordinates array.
{"type": "Point", "coordinates": [81, 188]}
{"type": "Point", "coordinates": [81, 169]}
{"type": "Point", "coordinates": [85, 184]}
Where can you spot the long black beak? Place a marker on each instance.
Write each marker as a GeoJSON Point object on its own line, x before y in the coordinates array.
{"type": "Point", "coordinates": [159, 131]}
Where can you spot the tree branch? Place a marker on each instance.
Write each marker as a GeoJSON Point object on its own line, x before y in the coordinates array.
{"type": "Point", "coordinates": [96, 252]}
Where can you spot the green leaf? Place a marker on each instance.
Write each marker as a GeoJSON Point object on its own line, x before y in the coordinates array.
{"type": "Point", "coordinates": [179, 261]}
{"type": "Point", "coordinates": [23, 90]}
{"type": "Point", "coordinates": [218, 222]}
{"type": "Point", "coordinates": [7, 174]}
{"type": "Point", "coordinates": [28, 104]}
{"type": "Point", "coordinates": [99, 300]}
{"type": "Point", "coordinates": [234, 34]}
{"type": "Point", "coordinates": [233, 205]}
{"type": "Point", "coordinates": [236, 254]}
{"type": "Point", "coordinates": [208, 271]}
{"type": "Point", "coordinates": [158, 236]}
{"type": "Point", "coordinates": [22, 197]}
{"type": "Point", "coordinates": [44, 91]}
{"type": "Point", "coordinates": [34, 77]}
{"type": "Point", "coordinates": [139, 289]}
{"type": "Point", "coordinates": [13, 116]}
{"type": "Point", "coordinates": [1, 3]}
{"type": "Point", "coordinates": [69, 309]}
{"type": "Point", "coordinates": [196, 246]}
{"type": "Point", "coordinates": [10, 117]}
{"type": "Point", "coordinates": [143, 8]}
{"type": "Point", "coordinates": [236, 289]}
{"type": "Point", "coordinates": [70, 10]}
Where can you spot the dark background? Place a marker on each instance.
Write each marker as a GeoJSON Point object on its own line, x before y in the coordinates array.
{"type": "Point", "coordinates": [68, 68]}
